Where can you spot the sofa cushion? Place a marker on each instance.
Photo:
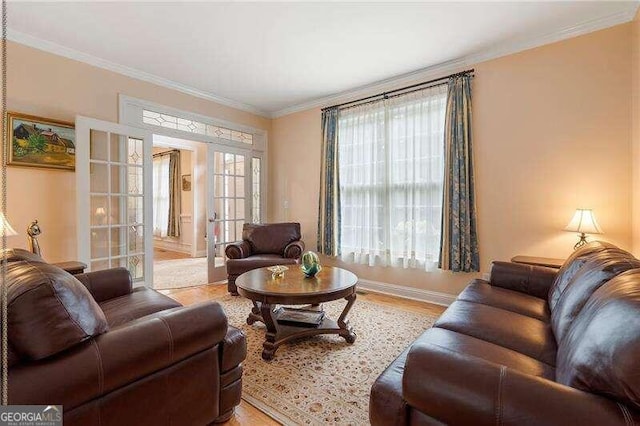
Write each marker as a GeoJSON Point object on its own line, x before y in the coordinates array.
{"type": "Point", "coordinates": [480, 291]}
{"type": "Point", "coordinates": [270, 238]}
{"type": "Point", "coordinates": [571, 267]}
{"type": "Point", "coordinates": [141, 302]}
{"type": "Point", "coordinates": [465, 344]}
{"type": "Point", "coordinates": [517, 332]}
{"type": "Point", "coordinates": [600, 351]}
{"type": "Point", "coordinates": [49, 310]}
{"type": "Point", "coordinates": [597, 269]}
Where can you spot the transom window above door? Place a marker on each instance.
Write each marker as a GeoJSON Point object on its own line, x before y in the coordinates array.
{"type": "Point", "coordinates": [193, 126]}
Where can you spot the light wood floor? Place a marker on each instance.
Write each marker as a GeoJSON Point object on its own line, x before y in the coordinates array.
{"type": "Point", "coordinates": [247, 414]}
{"type": "Point", "coordinates": [164, 254]}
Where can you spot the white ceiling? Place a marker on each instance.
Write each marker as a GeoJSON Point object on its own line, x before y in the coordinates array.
{"type": "Point", "coordinates": [266, 57]}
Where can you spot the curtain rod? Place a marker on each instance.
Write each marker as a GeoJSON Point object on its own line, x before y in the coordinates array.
{"type": "Point", "coordinates": [159, 154]}
{"type": "Point", "coordinates": [384, 95]}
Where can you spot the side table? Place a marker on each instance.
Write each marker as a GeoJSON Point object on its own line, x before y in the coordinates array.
{"type": "Point", "coordinates": [549, 262]}
{"type": "Point", "coordinates": [73, 267]}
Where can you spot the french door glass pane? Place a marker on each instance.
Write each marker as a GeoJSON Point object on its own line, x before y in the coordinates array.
{"type": "Point", "coordinates": [255, 190]}
{"type": "Point", "coordinates": [99, 178]}
{"type": "Point", "coordinates": [98, 146]}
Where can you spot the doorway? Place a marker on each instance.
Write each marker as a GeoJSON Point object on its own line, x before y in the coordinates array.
{"type": "Point", "coordinates": [179, 212]}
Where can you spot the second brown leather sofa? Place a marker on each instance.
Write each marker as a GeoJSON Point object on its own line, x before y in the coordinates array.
{"type": "Point", "coordinates": [531, 346]}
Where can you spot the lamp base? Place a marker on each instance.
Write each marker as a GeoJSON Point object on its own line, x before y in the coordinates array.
{"type": "Point", "coordinates": [581, 242]}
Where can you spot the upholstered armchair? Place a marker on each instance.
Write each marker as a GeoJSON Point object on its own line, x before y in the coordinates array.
{"type": "Point", "coordinates": [112, 354]}
{"type": "Point", "coordinates": [263, 245]}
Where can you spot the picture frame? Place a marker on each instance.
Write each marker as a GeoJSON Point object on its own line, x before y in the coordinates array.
{"type": "Point", "coordinates": [186, 183]}
{"type": "Point", "coordinates": [40, 142]}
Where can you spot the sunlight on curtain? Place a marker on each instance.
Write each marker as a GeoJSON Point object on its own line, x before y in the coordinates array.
{"type": "Point", "coordinates": [160, 195]}
{"type": "Point", "coordinates": [391, 177]}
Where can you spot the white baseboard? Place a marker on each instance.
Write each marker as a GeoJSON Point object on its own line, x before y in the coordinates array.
{"type": "Point", "coordinates": [434, 297]}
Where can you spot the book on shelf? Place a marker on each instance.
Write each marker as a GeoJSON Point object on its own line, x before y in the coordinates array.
{"type": "Point", "coordinates": [299, 317]}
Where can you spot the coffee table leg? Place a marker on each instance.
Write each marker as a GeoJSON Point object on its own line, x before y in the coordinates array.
{"type": "Point", "coordinates": [268, 347]}
{"type": "Point", "coordinates": [345, 330]}
{"type": "Point", "coordinates": [255, 314]}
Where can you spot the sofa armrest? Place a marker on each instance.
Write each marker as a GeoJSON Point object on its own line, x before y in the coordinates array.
{"type": "Point", "coordinates": [533, 280]}
{"type": "Point", "coordinates": [294, 250]}
{"type": "Point", "coordinates": [239, 250]}
{"type": "Point", "coordinates": [107, 284]}
{"type": "Point", "coordinates": [233, 349]}
{"type": "Point", "coordinates": [119, 357]}
{"type": "Point", "coordinates": [456, 388]}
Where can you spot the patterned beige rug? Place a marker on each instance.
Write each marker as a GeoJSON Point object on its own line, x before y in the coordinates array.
{"type": "Point", "coordinates": [324, 380]}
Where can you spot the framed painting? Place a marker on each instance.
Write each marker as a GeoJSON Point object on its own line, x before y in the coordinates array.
{"type": "Point", "coordinates": [40, 142]}
{"type": "Point", "coordinates": [186, 182]}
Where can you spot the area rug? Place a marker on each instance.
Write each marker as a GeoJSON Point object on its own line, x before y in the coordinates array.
{"type": "Point", "coordinates": [324, 380]}
{"type": "Point", "coordinates": [179, 273]}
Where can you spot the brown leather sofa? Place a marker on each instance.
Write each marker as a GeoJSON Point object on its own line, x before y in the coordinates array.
{"type": "Point", "coordinates": [263, 245]}
{"type": "Point", "coordinates": [531, 346]}
{"type": "Point", "coordinates": [116, 355]}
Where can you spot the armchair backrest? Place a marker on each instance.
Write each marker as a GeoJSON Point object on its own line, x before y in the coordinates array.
{"type": "Point", "coordinates": [270, 238]}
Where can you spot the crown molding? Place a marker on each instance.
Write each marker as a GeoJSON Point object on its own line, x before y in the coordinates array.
{"type": "Point", "coordinates": [57, 49]}
{"type": "Point", "coordinates": [365, 90]}
{"type": "Point", "coordinates": [455, 65]}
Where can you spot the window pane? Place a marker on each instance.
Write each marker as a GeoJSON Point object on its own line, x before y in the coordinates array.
{"type": "Point", "coordinates": [255, 190]}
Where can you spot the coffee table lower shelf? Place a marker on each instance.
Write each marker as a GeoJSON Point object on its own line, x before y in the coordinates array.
{"type": "Point", "coordinates": [278, 333]}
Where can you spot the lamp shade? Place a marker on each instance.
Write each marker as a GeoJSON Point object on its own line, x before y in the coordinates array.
{"type": "Point", "coordinates": [585, 222]}
{"type": "Point", "coordinates": [5, 227]}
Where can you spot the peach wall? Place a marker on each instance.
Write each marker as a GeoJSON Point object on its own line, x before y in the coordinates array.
{"type": "Point", "coordinates": [551, 133]}
{"type": "Point", "coordinates": [635, 130]}
{"type": "Point", "coordinates": [51, 86]}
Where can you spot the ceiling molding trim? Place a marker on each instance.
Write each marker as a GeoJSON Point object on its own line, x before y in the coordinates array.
{"type": "Point", "coordinates": [466, 61]}
{"type": "Point", "coordinates": [57, 49]}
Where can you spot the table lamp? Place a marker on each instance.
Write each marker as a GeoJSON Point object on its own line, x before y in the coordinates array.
{"type": "Point", "coordinates": [583, 222]}
{"type": "Point", "coordinates": [5, 227]}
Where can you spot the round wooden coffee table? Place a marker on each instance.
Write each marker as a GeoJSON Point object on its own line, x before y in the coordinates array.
{"type": "Point", "coordinates": [294, 288]}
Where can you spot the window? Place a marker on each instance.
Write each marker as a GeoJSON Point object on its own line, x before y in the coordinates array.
{"type": "Point", "coordinates": [193, 126]}
{"type": "Point", "coordinates": [391, 164]}
{"type": "Point", "coordinates": [160, 195]}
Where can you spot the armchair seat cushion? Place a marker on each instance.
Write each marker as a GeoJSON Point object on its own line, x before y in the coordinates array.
{"type": "Point", "coordinates": [240, 266]}
{"type": "Point", "coordinates": [517, 332]}
{"type": "Point", "coordinates": [480, 291]}
{"type": "Point", "coordinates": [141, 302]}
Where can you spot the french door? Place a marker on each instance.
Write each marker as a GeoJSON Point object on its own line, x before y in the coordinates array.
{"type": "Point", "coordinates": [114, 206]}
{"type": "Point", "coordinates": [229, 204]}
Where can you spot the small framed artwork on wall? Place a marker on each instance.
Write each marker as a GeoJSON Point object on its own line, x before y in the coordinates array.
{"type": "Point", "coordinates": [40, 142]}
{"type": "Point", "coordinates": [186, 182]}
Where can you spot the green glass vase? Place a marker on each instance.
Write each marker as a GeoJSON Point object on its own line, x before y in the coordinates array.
{"type": "Point", "coordinates": [310, 264]}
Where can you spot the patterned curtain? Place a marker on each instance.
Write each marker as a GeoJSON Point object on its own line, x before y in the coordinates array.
{"type": "Point", "coordinates": [173, 229]}
{"type": "Point", "coordinates": [329, 206]}
{"type": "Point", "coordinates": [459, 240]}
